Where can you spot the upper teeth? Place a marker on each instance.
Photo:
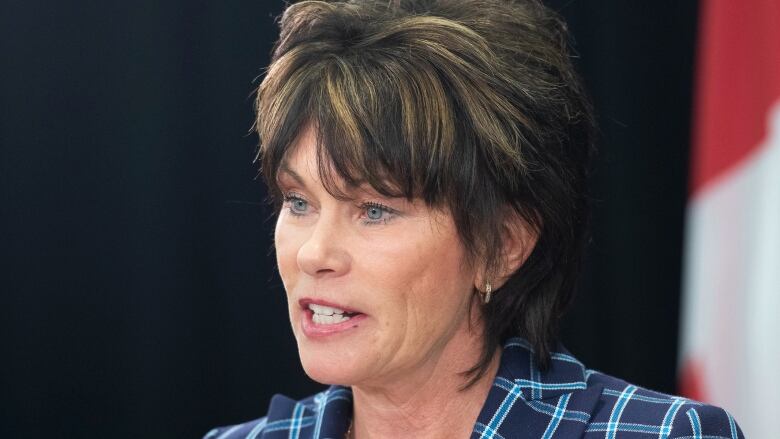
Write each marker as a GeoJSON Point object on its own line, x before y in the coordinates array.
{"type": "Point", "coordinates": [325, 310]}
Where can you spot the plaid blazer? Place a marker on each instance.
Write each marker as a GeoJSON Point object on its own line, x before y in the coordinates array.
{"type": "Point", "coordinates": [566, 401]}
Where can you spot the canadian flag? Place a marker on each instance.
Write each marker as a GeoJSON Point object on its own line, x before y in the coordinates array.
{"type": "Point", "coordinates": [730, 345]}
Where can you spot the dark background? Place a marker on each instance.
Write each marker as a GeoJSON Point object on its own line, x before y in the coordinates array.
{"type": "Point", "coordinates": [138, 292]}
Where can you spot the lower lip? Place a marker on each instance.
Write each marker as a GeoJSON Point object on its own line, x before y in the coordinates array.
{"type": "Point", "coordinates": [314, 330]}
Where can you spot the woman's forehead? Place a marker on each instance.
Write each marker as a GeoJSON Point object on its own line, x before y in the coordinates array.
{"type": "Point", "coordinates": [288, 175]}
{"type": "Point", "coordinates": [307, 160]}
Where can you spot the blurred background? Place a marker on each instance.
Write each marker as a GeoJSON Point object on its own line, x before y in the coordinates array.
{"type": "Point", "coordinates": [137, 283]}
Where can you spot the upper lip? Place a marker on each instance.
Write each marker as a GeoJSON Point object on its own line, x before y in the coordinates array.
{"type": "Point", "coordinates": [307, 300]}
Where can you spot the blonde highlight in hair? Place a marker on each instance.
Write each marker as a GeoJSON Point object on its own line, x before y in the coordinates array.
{"type": "Point", "coordinates": [471, 106]}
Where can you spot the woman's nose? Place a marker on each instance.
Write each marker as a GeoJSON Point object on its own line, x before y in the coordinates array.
{"type": "Point", "coordinates": [324, 253]}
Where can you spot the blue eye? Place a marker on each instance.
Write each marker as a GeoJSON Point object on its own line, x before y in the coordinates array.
{"type": "Point", "coordinates": [376, 213]}
{"type": "Point", "coordinates": [298, 205]}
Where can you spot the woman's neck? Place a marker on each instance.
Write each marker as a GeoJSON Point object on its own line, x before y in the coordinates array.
{"type": "Point", "coordinates": [429, 402]}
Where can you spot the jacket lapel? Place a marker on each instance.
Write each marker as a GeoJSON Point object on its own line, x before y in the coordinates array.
{"type": "Point", "coordinates": [325, 415]}
{"type": "Point", "coordinates": [527, 403]}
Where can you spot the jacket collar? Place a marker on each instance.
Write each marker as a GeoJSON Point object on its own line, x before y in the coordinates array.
{"type": "Point", "coordinates": [525, 402]}
{"type": "Point", "coordinates": [519, 368]}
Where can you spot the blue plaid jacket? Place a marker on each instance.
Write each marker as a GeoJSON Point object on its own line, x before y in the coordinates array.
{"type": "Point", "coordinates": [566, 401]}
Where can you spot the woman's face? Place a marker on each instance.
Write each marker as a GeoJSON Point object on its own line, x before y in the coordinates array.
{"type": "Point", "coordinates": [377, 287]}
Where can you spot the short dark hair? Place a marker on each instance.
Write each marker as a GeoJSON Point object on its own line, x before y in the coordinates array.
{"type": "Point", "coordinates": [473, 106]}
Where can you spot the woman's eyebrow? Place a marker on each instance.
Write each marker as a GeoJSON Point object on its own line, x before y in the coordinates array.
{"type": "Point", "coordinates": [285, 169]}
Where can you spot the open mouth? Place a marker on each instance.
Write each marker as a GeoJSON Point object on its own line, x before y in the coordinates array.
{"type": "Point", "coordinates": [328, 315]}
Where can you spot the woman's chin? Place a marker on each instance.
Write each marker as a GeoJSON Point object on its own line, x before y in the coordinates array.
{"type": "Point", "coordinates": [330, 370]}
{"type": "Point", "coordinates": [334, 359]}
{"type": "Point", "coordinates": [331, 363]}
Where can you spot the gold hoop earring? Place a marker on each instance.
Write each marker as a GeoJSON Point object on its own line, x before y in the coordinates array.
{"type": "Point", "coordinates": [488, 291]}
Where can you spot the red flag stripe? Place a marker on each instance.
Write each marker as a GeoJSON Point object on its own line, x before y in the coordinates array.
{"type": "Point", "coordinates": [690, 381]}
{"type": "Point", "coordinates": [738, 78]}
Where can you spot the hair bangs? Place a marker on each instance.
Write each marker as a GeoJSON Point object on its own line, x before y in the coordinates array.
{"type": "Point", "coordinates": [380, 120]}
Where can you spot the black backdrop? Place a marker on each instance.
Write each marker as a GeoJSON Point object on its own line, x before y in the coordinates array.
{"type": "Point", "coordinates": [138, 292]}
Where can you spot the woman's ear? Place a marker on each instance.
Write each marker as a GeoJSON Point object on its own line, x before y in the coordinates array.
{"type": "Point", "coordinates": [519, 240]}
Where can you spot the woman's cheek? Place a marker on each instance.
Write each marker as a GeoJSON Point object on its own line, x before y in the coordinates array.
{"type": "Point", "coordinates": [285, 254]}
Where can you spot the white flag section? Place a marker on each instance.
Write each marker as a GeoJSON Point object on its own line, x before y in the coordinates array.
{"type": "Point", "coordinates": [731, 308]}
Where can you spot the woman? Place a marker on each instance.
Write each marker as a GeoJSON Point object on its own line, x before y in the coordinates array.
{"type": "Point", "coordinates": [429, 162]}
